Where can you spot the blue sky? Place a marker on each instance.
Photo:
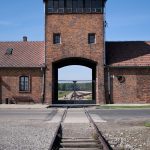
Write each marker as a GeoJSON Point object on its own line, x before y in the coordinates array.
{"type": "Point", "coordinates": [127, 20]}
{"type": "Point", "coordinates": [21, 17]}
{"type": "Point", "coordinates": [75, 72]}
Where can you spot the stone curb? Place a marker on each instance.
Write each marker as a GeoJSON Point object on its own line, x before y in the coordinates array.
{"type": "Point", "coordinates": [126, 104]}
{"type": "Point", "coordinates": [29, 106]}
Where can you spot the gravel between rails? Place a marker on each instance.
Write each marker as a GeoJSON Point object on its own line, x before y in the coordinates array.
{"type": "Point", "coordinates": [77, 130]}
{"type": "Point", "coordinates": [26, 135]}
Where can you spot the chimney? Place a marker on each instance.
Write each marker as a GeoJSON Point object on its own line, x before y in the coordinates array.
{"type": "Point", "coordinates": [25, 38]}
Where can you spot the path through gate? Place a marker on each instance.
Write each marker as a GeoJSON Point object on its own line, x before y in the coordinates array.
{"type": "Point", "coordinates": [75, 91]}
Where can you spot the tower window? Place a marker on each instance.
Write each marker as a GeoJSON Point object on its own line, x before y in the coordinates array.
{"type": "Point", "coordinates": [55, 3]}
{"type": "Point", "coordinates": [91, 38]}
{"type": "Point", "coordinates": [75, 6]}
{"type": "Point", "coordinates": [50, 6]}
{"type": "Point", "coordinates": [56, 38]}
{"type": "Point", "coordinates": [61, 4]}
{"type": "Point", "coordinates": [24, 84]}
{"type": "Point", "coordinates": [88, 4]}
{"type": "Point", "coordinates": [95, 3]}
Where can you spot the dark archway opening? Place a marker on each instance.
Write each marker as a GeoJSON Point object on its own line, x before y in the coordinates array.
{"type": "Point", "coordinates": [75, 87]}
{"type": "Point", "coordinates": [0, 90]}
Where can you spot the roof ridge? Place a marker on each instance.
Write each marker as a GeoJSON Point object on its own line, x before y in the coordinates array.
{"type": "Point", "coordinates": [128, 41]}
{"type": "Point", "coordinates": [20, 41]}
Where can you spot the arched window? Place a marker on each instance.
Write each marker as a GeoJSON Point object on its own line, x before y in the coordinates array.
{"type": "Point", "coordinates": [24, 84]}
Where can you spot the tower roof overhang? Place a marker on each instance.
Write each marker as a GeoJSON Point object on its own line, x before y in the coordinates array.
{"type": "Point", "coordinates": [103, 0]}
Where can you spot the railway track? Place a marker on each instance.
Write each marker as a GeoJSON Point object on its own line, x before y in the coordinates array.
{"type": "Point", "coordinates": [96, 142]}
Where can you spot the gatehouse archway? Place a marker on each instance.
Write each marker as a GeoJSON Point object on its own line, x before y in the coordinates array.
{"type": "Point", "coordinates": [74, 91]}
{"type": "Point", "coordinates": [0, 90]}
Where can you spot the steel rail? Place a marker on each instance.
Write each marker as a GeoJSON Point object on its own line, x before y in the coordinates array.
{"type": "Point", "coordinates": [101, 138]}
{"type": "Point", "coordinates": [58, 132]}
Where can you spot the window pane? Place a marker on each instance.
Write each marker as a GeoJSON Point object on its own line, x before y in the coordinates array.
{"type": "Point", "coordinates": [61, 3]}
{"type": "Point", "coordinates": [93, 3]}
{"type": "Point", "coordinates": [96, 3]}
{"type": "Point", "coordinates": [80, 3]}
{"type": "Point", "coordinates": [24, 83]}
{"type": "Point", "coordinates": [26, 86]}
{"type": "Point", "coordinates": [56, 4]}
{"type": "Point", "coordinates": [26, 79]}
{"type": "Point", "coordinates": [50, 3]}
{"type": "Point", "coordinates": [75, 6]}
{"type": "Point", "coordinates": [56, 38]}
{"type": "Point", "coordinates": [91, 38]}
{"type": "Point", "coordinates": [75, 3]}
{"type": "Point", "coordinates": [68, 3]}
{"type": "Point", "coordinates": [21, 79]}
{"type": "Point", "coordinates": [21, 86]}
{"type": "Point", "coordinates": [87, 3]}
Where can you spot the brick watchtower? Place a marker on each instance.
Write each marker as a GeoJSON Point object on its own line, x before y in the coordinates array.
{"type": "Point", "coordinates": [74, 35]}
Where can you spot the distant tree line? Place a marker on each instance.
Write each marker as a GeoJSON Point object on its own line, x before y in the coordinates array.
{"type": "Point", "coordinates": [77, 86]}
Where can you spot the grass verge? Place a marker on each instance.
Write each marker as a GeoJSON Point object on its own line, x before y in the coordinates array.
{"type": "Point", "coordinates": [123, 107]}
{"type": "Point", "coordinates": [147, 124]}
{"type": "Point", "coordinates": [63, 93]}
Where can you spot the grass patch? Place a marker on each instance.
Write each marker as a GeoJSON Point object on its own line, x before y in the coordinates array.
{"type": "Point", "coordinates": [63, 93]}
{"type": "Point", "coordinates": [122, 107]}
{"type": "Point", "coordinates": [147, 124]}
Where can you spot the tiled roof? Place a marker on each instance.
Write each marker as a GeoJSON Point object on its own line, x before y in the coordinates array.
{"type": "Point", "coordinates": [24, 54]}
{"type": "Point", "coordinates": [130, 54]}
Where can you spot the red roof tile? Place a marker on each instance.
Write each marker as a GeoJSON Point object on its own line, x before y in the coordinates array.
{"type": "Point", "coordinates": [128, 53]}
{"type": "Point", "coordinates": [25, 54]}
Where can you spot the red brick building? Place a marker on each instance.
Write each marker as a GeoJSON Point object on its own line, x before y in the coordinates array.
{"type": "Point", "coordinates": [21, 70]}
{"type": "Point", "coordinates": [74, 35]}
{"type": "Point", "coordinates": [128, 67]}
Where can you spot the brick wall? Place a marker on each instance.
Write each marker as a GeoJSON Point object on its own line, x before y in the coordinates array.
{"type": "Point", "coordinates": [74, 29]}
{"type": "Point", "coordinates": [9, 83]}
{"type": "Point", "coordinates": [135, 89]}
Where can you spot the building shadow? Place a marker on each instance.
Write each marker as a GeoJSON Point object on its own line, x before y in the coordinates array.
{"type": "Point", "coordinates": [5, 85]}
{"type": "Point", "coordinates": [117, 52]}
{"type": "Point", "coordinates": [0, 90]}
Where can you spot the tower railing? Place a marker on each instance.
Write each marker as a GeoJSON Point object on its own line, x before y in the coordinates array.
{"type": "Point", "coordinates": [75, 10]}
